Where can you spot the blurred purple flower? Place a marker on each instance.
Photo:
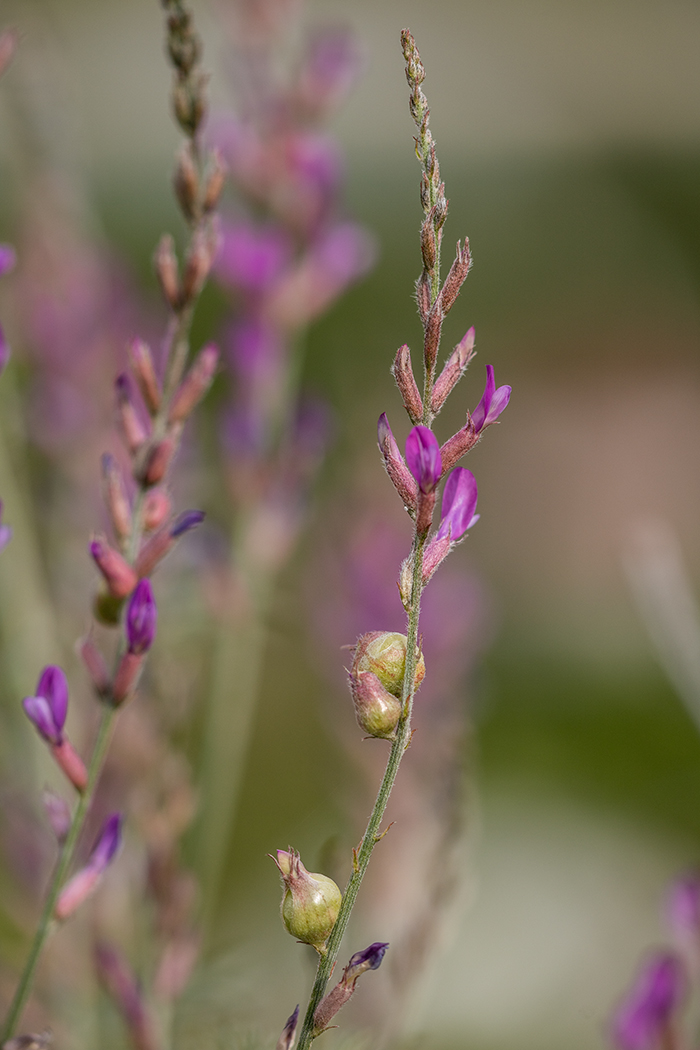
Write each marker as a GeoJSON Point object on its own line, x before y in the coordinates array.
{"type": "Point", "coordinates": [458, 504]}
{"type": "Point", "coordinates": [643, 1017]}
{"type": "Point", "coordinates": [344, 253]}
{"type": "Point", "coordinates": [8, 258]}
{"type": "Point", "coordinates": [683, 906]}
{"type": "Point", "coordinates": [423, 458]}
{"type": "Point", "coordinates": [251, 257]}
{"type": "Point", "coordinates": [49, 707]}
{"type": "Point", "coordinates": [255, 348]}
{"type": "Point", "coordinates": [492, 403]}
{"type": "Point", "coordinates": [332, 65]}
{"type": "Point", "coordinates": [107, 843]}
{"type": "Point", "coordinates": [141, 618]}
{"type": "Point", "coordinates": [79, 888]}
{"type": "Point", "coordinates": [5, 531]}
{"type": "Point", "coordinates": [189, 519]}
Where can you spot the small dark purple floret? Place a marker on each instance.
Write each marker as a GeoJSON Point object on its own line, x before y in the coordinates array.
{"type": "Point", "coordinates": [371, 956]}
{"type": "Point", "coordinates": [189, 519]}
{"type": "Point", "coordinates": [141, 618]}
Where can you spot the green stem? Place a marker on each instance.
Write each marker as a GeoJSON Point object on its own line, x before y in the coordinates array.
{"type": "Point", "coordinates": [46, 921]}
{"type": "Point", "coordinates": [372, 836]}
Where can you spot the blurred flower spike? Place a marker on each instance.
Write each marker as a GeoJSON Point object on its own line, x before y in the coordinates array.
{"type": "Point", "coordinates": [141, 618]}
{"type": "Point", "coordinates": [84, 882]}
{"type": "Point", "coordinates": [492, 403]}
{"type": "Point", "coordinates": [643, 1020]}
{"type": "Point", "coordinates": [683, 907]}
{"type": "Point", "coordinates": [423, 458]}
{"type": "Point", "coordinates": [458, 505]}
{"type": "Point", "coordinates": [5, 531]}
{"type": "Point", "coordinates": [7, 262]}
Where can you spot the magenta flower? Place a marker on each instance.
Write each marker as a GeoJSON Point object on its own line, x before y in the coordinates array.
{"type": "Point", "coordinates": [492, 403]}
{"type": "Point", "coordinates": [141, 618]}
{"type": "Point", "coordinates": [250, 257]}
{"type": "Point", "coordinates": [458, 504]}
{"type": "Point", "coordinates": [5, 530]}
{"type": "Point", "coordinates": [49, 707]}
{"type": "Point", "coordinates": [643, 1017]}
{"type": "Point", "coordinates": [423, 458]}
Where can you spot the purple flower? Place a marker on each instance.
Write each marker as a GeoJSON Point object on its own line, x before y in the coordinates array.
{"type": "Point", "coordinates": [458, 504]}
{"type": "Point", "coordinates": [332, 66]}
{"type": "Point", "coordinates": [141, 618]}
{"type": "Point", "coordinates": [189, 519]}
{"type": "Point", "coordinates": [644, 1015]}
{"type": "Point", "coordinates": [107, 844]}
{"type": "Point", "coordinates": [344, 253]}
{"type": "Point", "coordinates": [48, 708]}
{"type": "Point", "coordinates": [286, 1040]}
{"type": "Point", "coordinates": [369, 959]}
{"type": "Point", "coordinates": [492, 402]}
{"type": "Point", "coordinates": [251, 257]}
{"type": "Point", "coordinates": [4, 351]}
{"type": "Point", "coordinates": [683, 908]}
{"type": "Point", "coordinates": [5, 531]}
{"type": "Point", "coordinates": [255, 349]}
{"type": "Point", "coordinates": [423, 458]}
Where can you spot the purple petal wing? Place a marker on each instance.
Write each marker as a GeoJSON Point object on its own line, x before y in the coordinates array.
{"type": "Point", "coordinates": [481, 411]}
{"type": "Point", "coordinates": [498, 403]}
{"type": "Point", "coordinates": [423, 458]}
{"type": "Point", "coordinates": [458, 503]}
{"type": "Point", "coordinates": [38, 711]}
{"type": "Point", "coordinates": [53, 685]}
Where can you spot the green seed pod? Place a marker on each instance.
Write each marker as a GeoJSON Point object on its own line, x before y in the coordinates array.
{"type": "Point", "coordinates": [310, 902]}
{"type": "Point", "coordinates": [384, 654]}
{"type": "Point", "coordinates": [377, 710]}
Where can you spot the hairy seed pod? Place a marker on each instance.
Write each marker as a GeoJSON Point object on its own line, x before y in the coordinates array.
{"type": "Point", "coordinates": [310, 902]}
{"type": "Point", "coordinates": [384, 654]}
{"type": "Point", "coordinates": [376, 709]}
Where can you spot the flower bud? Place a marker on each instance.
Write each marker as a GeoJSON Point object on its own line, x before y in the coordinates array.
{"type": "Point", "coordinates": [384, 654]}
{"type": "Point", "coordinates": [289, 1032]}
{"type": "Point", "coordinates": [157, 461]}
{"type": "Point", "coordinates": [166, 269]}
{"type": "Point", "coordinates": [377, 711]}
{"type": "Point", "coordinates": [134, 431]}
{"type": "Point", "coordinates": [156, 508]}
{"type": "Point", "coordinates": [215, 183]}
{"type": "Point", "coordinates": [144, 373]}
{"type": "Point", "coordinates": [395, 466]}
{"type": "Point", "coordinates": [402, 372]}
{"type": "Point", "coordinates": [141, 618]}
{"type": "Point", "coordinates": [195, 384]}
{"type": "Point", "coordinates": [186, 183]}
{"type": "Point", "coordinates": [115, 496]}
{"type": "Point", "coordinates": [79, 888]}
{"type": "Point", "coordinates": [310, 902]}
{"type": "Point", "coordinates": [119, 575]}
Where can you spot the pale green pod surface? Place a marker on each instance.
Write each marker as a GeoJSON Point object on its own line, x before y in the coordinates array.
{"type": "Point", "coordinates": [384, 654]}
{"type": "Point", "coordinates": [376, 709]}
{"type": "Point", "coordinates": [310, 903]}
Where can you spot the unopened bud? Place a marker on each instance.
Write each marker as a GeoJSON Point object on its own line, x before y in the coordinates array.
{"type": "Point", "coordinates": [119, 575]}
{"type": "Point", "coordinates": [377, 710]}
{"type": "Point", "coordinates": [70, 762]}
{"type": "Point", "coordinates": [79, 888]}
{"type": "Point", "coordinates": [215, 182]}
{"type": "Point", "coordinates": [156, 508]}
{"type": "Point", "coordinates": [126, 678]}
{"type": "Point", "coordinates": [186, 183]}
{"type": "Point", "coordinates": [369, 959]}
{"type": "Point", "coordinates": [144, 372]}
{"type": "Point", "coordinates": [167, 272]}
{"type": "Point", "coordinates": [427, 243]}
{"type": "Point", "coordinates": [198, 265]}
{"type": "Point", "coordinates": [157, 461]}
{"type": "Point", "coordinates": [195, 384]}
{"type": "Point", "coordinates": [402, 372]}
{"type": "Point", "coordinates": [384, 654]}
{"type": "Point", "coordinates": [155, 549]}
{"type": "Point", "coordinates": [115, 496]}
{"type": "Point", "coordinates": [395, 465]}
{"type": "Point", "coordinates": [141, 618]}
{"type": "Point", "coordinates": [310, 901]}
{"type": "Point", "coordinates": [456, 277]}
{"type": "Point", "coordinates": [289, 1032]}
{"type": "Point", "coordinates": [133, 429]}
{"type": "Point", "coordinates": [95, 664]}
{"type": "Point", "coordinates": [453, 370]}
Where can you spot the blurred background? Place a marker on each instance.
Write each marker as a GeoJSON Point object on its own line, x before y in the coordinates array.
{"type": "Point", "coordinates": [569, 141]}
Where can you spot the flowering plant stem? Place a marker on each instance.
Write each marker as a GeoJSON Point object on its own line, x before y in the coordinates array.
{"type": "Point", "coordinates": [372, 835]}
{"type": "Point", "coordinates": [46, 921]}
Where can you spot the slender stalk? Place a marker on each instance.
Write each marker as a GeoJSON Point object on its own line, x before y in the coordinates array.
{"type": "Point", "coordinates": [46, 921]}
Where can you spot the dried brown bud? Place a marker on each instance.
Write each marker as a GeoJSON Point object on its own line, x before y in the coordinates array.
{"type": "Point", "coordinates": [329, 1006]}
{"type": "Point", "coordinates": [144, 373]}
{"type": "Point", "coordinates": [453, 370]}
{"type": "Point", "coordinates": [405, 381]}
{"type": "Point", "coordinates": [215, 183]}
{"type": "Point", "coordinates": [427, 242]}
{"type": "Point", "coordinates": [456, 446]}
{"type": "Point", "coordinates": [433, 327]}
{"type": "Point", "coordinates": [195, 384]}
{"type": "Point", "coordinates": [186, 183]}
{"type": "Point", "coordinates": [166, 269]}
{"type": "Point", "coordinates": [456, 277]}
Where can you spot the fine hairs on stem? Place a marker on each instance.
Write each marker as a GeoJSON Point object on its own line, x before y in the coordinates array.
{"type": "Point", "coordinates": [387, 667]}
{"type": "Point", "coordinates": [143, 526]}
